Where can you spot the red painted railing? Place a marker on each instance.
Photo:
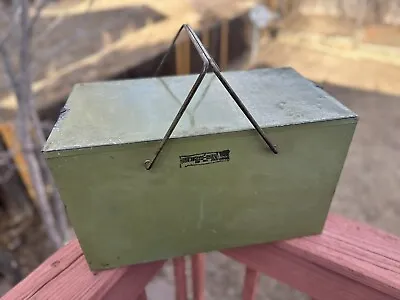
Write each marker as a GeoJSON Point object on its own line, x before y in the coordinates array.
{"type": "Point", "coordinates": [348, 260]}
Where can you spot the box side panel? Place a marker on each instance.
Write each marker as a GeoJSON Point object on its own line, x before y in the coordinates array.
{"type": "Point", "coordinates": [238, 193]}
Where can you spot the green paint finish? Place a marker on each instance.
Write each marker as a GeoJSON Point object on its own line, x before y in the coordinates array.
{"type": "Point", "coordinates": [124, 214]}
{"type": "Point", "coordinates": [130, 111]}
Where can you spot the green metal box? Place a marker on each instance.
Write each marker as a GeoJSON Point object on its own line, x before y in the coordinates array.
{"type": "Point", "coordinates": [215, 184]}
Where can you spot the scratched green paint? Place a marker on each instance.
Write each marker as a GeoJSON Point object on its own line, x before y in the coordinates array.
{"type": "Point", "coordinates": [123, 214]}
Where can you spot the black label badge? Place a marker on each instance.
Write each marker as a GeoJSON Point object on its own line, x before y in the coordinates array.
{"type": "Point", "coordinates": [204, 158]}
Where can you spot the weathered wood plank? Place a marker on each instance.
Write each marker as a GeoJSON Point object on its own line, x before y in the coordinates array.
{"type": "Point", "coordinates": [198, 276]}
{"type": "Point", "coordinates": [224, 45]}
{"type": "Point", "coordinates": [66, 275]}
{"type": "Point", "coordinates": [348, 260]}
{"type": "Point", "coordinates": [251, 280]}
{"type": "Point", "coordinates": [180, 278]}
{"type": "Point", "coordinates": [142, 296]}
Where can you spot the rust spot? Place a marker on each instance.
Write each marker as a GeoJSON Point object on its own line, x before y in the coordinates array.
{"type": "Point", "coordinates": [63, 111]}
{"type": "Point", "coordinates": [55, 263]}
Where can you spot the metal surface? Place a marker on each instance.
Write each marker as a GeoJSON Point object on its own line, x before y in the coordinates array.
{"type": "Point", "coordinates": [123, 214]}
{"type": "Point", "coordinates": [116, 112]}
{"type": "Point", "coordinates": [208, 62]}
{"type": "Point", "coordinates": [215, 186]}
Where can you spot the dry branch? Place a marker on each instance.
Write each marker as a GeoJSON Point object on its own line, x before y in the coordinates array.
{"type": "Point", "coordinates": [28, 126]}
{"type": "Point", "coordinates": [38, 10]}
{"type": "Point", "coordinates": [58, 21]}
{"type": "Point", "coordinates": [7, 167]}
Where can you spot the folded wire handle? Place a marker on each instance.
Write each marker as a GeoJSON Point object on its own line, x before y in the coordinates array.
{"type": "Point", "coordinates": [208, 63]}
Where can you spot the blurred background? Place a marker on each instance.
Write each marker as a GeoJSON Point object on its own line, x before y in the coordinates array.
{"type": "Point", "coordinates": [350, 48]}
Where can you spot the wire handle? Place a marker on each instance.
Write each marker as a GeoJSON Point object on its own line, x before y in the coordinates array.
{"type": "Point", "coordinates": [208, 63]}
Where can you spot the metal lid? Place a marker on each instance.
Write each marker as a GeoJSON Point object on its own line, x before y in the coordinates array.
{"type": "Point", "coordinates": [129, 111]}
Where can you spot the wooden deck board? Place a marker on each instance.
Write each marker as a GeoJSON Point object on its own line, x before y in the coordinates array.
{"type": "Point", "coordinates": [180, 278]}
{"type": "Point", "coordinates": [66, 275]}
{"type": "Point", "coordinates": [198, 276]}
{"type": "Point", "coordinates": [348, 260]}
{"type": "Point", "coordinates": [250, 284]}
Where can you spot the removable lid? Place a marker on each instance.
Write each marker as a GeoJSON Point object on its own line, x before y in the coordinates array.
{"type": "Point", "coordinates": [129, 111]}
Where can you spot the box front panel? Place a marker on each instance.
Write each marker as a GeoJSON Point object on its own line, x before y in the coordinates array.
{"type": "Point", "coordinates": [203, 193]}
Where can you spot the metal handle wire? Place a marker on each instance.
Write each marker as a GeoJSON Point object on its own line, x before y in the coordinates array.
{"type": "Point", "coordinates": [208, 63]}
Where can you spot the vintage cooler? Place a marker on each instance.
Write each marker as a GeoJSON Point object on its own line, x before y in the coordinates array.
{"type": "Point", "coordinates": [215, 184]}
